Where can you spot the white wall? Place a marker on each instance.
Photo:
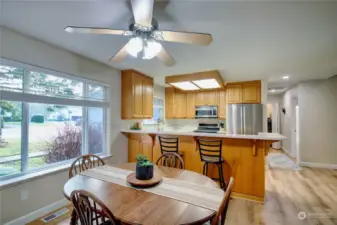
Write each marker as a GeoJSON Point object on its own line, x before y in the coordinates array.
{"type": "Point", "coordinates": [47, 190]}
{"type": "Point", "coordinates": [317, 102]}
{"type": "Point", "coordinates": [289, 101]}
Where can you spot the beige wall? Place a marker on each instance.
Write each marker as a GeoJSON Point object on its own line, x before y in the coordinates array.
{"type": "Point", "coordinates": [318, 121]}
{"type": "Point", "coordinates": [289, 101]}
{"type": "Point", "coordinates": [47, 190]}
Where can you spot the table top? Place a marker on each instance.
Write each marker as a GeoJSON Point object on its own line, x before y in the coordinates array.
{"type": "Point", "coordinates": [140, 207]}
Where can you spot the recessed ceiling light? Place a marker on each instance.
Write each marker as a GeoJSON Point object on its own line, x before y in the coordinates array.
{"type": "Point", "coordinates": [207, 83]}
{"type": "Point", "coordinates": [186, 85]}
{"type": "Point", "coordinates": [285, 77]}
{"type": "Point", "coordinates": [272, 90]}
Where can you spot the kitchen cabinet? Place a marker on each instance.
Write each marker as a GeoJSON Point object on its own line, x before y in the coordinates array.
{"type": "Point", "coordinates": [206, 97]}
{"type": "Point", "coordinates": [234, 93]}
{"type": "Point", "coordinates": [180, 104]}
{"type": "Point", "coordinates": [244, 92]}
{"type": "Point", "coordinates": [138, 146]}
{"type": "Point", "coordinates": [175, 104]}
{"type": "Point", "coordinates": [251, 92]}
{"type": "Point", "coordinates": [137, 95]}
{"type": "Point", "coordinates": [169, 103]}
{"type": "Point", "coordinates": [190, 105]}
{"type": "Point", "coordinates": [147, 98]}
{"type": "Point", "coordinates": [222, 104]}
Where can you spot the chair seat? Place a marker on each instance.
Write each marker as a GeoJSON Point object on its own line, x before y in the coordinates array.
{"type": "Point", "coordinates": [213, 159]}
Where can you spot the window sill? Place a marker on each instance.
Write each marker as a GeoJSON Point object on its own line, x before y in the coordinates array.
{"type": "Point", "coordinates": [37, 175]}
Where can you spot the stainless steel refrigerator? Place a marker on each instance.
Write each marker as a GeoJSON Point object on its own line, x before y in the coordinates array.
{"type": "Point", "coordinates": [244, 118]}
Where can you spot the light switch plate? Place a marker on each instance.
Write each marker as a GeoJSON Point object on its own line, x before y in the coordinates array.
{"type": "Point", "coordinates": [24, 195]}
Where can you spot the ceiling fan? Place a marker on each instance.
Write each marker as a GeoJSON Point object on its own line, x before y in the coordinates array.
{"type": "Point", "coordinates": [145, 36]}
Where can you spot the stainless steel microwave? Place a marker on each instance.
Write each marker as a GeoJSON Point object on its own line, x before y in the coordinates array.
{"type": "Point", "coordinates": [206, 112]}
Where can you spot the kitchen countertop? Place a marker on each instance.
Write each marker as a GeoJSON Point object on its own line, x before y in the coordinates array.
{"type": "Point", "coordinates": [260, 136]}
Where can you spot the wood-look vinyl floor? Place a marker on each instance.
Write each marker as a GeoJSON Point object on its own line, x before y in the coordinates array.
{"type": "Point", "coordinates": [312, 191]}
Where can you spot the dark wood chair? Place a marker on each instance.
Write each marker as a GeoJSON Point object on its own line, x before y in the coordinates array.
{"type": "Point", "coordinates": [221, 214]}
{"type": "Point", "coordinates": [211, 153]}
{"type": "Point", "coordinates": [83, 163]}
{"type": "Point", "coordinates": [171, 159]}
{"type": "Point", "coordinates": [169, 144]}
{"type": "Point", "coordinates": [87, 205]}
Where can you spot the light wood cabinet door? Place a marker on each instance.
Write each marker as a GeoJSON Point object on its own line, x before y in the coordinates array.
{"type": "Point", "coordinates": [190, 105]}
{"type": "Point", "coordinates": [180, 105]}
{"type": "Point", "coordinates": [206, 97]}
{"type": "Point", "coordinates": [137, 81]}
{"type": "Point", "coordinates": [147, 98]}
{"type": "Point", "coordinates": [251, 92]}
{"type": "Point", "coordinates": [234, 93]}
{"type": "Point", "coordinates": [222, 104]}
{"type": "Point", "coordinates": [169, 103]}
{"type": "Point", "coordinates": [200, 98]}
{"type": "Point", "coordinates": [135, 148]}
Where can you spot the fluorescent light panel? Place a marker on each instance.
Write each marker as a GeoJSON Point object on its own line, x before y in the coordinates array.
{"type": "Point", "coordinates": [207, 83]}
{"type": "Point", "coordinates": [186, 85]}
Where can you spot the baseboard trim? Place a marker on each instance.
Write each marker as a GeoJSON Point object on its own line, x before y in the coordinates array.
{"type": "Point", "coordinates": [319, 165]}
{"type": "Point", "coordinates": [248, 197]}
{"type": "Point", "coordinates": [38, 213]}
{"type": "Point", "coordinates": [288, 153]}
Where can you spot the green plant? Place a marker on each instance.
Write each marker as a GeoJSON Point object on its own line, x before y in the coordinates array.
{"type": "Point", "coordinates": [143, 161]}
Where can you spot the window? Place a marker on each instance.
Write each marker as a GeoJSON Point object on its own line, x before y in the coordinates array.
{"type": "Point", "coordinates": [47, 119]}
{"type": "Point", "coordinates": [158, 111]}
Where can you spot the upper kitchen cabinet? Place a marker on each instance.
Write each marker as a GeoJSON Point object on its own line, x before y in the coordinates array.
{"type": "Point", "coordinates": [190, 105]}
{"type": "Point", "coordinates": [222, 104]}
{"type": "Point", "coordinates": [244, 92]}
{"type": "Point", "coordinates": [206, 97]}
{"type": "Point", "coordinates": [251, 92]}
{"type": "Point", "coordinates": [175, 104]}
{"type": "Point", "coordinates": [137, 95]}
{"type": "Point", "coordinates": [234, 93]}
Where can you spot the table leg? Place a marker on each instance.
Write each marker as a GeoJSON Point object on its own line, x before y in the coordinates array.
{"type": "Point", "coordinates": [73, 219]}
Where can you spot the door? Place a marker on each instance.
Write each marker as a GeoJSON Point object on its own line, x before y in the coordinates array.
{"type": "Point", "coordinates": [234, 122]}
{"type": "Point", "coordinates": [251, 92]}
{"type": "Point", "coordinates": [252, 119]}
{"type": "Point", "coordinates": [222, 104]}
{"type": "Point", "coordinates": [234, 93]}
{"type": "Point", "coordinates": [147, 98]}
{"type": "Point", "coordinates": [294, 133]}
{"type": "Point", "coordinates": [137, 95]}
{"type": "Point", "coordinates": [190, 105]}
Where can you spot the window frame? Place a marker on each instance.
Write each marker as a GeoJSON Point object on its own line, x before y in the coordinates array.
{"type": "Point", "coordinates": [85, 104]}
{"type": "Point", "coordinates": [152, 121]}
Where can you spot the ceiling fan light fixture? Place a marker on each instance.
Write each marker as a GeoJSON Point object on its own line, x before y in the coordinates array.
{"type": "Point", "coordinates": [134, 46]}
{"type": "Point", "coordinates": [151, 49]}
{"type": "Point", "coordinates": [207, 83]}
{"type": "Point", "coordinates": [185, 85]}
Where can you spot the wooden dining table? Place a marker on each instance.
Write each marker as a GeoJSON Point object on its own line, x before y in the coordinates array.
{"type": "Point", "coordinates": [135, 206]}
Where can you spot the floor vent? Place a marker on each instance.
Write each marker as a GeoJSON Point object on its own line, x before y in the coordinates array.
{"type": "Point", "coordinates": [55, 215]}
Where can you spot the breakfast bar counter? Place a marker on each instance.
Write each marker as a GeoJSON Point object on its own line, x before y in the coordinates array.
{"type": "Point", "coordinates": [244, 156]}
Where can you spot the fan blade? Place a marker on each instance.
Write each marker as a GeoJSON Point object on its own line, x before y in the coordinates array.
{"type": "Point", "coordinates": [187, 37]}
{"type": "Point", "coordinates": [120, 55]}
{"type": "Point", "coordinates": [142, 11]}
{"type": "Point", "coordinates": [165, 57]}
{"type": "Point", "coordinates": [94, 30]}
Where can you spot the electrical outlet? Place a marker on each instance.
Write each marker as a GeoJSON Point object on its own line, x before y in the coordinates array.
{"type": "Point", "coordinates": [24, 195]}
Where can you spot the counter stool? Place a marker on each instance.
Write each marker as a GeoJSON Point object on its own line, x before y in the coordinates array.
{"type": "Point", "coordinates": [169, 145]}
{"type": "Point", "coordinates": [211, 153]}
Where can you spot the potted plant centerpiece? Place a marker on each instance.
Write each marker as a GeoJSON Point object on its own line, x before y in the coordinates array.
{"type": "Point", "coordinates": [144, 168]}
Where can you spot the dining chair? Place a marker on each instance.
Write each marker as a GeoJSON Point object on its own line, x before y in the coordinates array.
{"type": "Point", "coordinates": [85, 162]}
{"type": "Point", "coordinates": [87, 205]}
{"type": "Point", "coordinates": [170, 159]}
{"type": "Point", "coordinates": [221, 214]}
{"type": "Point", "coordinates": [211, 153]}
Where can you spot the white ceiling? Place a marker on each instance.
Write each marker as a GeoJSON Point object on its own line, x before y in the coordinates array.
{"type": "Point", "coordinates": [252, 40]}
